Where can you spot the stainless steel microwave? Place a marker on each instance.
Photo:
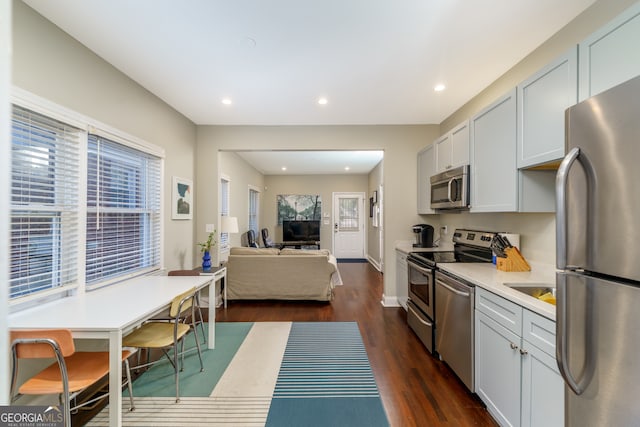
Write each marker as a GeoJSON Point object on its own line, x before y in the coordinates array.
{"type": "Point", "coordinates": [450, 189]}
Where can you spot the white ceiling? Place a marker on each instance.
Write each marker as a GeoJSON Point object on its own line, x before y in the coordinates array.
{"type": "Point", "coordinates": [376, 61]}
{"type": "Point", "coordinates": [312, 162]}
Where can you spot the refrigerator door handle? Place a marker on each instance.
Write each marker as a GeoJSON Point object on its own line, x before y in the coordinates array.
{"type": "Point", "coordinates": [562, 338]}
{"type": "Point", "coordinates": [561, 207]}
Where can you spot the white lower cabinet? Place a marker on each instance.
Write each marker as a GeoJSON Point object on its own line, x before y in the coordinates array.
{"type": "Point", "coordinates": [516, 372]}
{"type": "Point", "coordinates": [542, 389]}
{"type": "Point", "coordinates": [498, 370]}
{"type": "Point", "coordinates": [402, 278]}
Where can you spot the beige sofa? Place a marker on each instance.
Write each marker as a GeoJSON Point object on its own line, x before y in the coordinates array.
{"type": "Point", "coordinates": [287, 274]}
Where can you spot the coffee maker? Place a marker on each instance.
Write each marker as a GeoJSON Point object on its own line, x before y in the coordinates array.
{"type": "Point", "coordinates": [423, 236]}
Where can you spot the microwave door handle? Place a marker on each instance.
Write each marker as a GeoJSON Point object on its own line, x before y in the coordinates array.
{"type": "Point", "coordinates": [449, 185]}
{"type": "Point", "coordinates": [561, 207]}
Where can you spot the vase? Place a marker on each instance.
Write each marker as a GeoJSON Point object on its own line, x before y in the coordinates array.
{"type": "Point", "coordinates": [206, 261]}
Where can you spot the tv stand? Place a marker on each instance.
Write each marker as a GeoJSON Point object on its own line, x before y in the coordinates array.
{"type": "Point", "coordinates": [298, 244]}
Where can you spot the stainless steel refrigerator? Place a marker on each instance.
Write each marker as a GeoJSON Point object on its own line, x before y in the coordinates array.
{"type": "Point", "coordinates": [598, 251]}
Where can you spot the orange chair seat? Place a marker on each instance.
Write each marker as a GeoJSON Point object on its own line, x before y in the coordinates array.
{"type": "Point", "coordinates": [154, 335]}
{"type": "Point", "coordinates": [83, 369]}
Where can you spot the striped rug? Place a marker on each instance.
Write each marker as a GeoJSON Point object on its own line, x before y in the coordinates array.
{"type": "Point", "coordinates": [265, 374]}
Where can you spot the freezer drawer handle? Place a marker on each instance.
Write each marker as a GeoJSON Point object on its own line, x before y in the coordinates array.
{"type": "Point", "coordinates": [561, 207]}
{"type": "Point", "coordinates": [424, 322]}
{"type": "Point", "coordinates": [455, 291]}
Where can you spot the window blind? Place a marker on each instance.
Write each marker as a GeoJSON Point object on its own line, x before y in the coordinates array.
{"type": "Point", "coordinates": [254, 204]}
{"type": "Point", "coordinates": [224, 211]}
{"type": "Point", "coordinates": [123, 211]}
{"type": "Point", "coordinates": [45, 177]}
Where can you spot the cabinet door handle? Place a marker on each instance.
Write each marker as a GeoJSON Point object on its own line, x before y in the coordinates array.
{"type": "Point", "coordinates": [513, 346]}
{"type": "Point", "coordinates": [523, 352]}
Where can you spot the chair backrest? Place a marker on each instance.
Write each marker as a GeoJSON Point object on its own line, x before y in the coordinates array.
{"type": "Point", "coordinates": [36, 344]}
{"type": "Point", "coordinates": [183, 273]}
{"type": "Point", "coordinates": [178, 306]}
{"type": "Point", "coordinates": [251, 239]}
{"type": "Point", "coordinates": [268, 243]}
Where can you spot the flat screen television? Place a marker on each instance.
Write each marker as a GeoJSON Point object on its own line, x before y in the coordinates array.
{"type": "Point", "coordinates": [294, 231]}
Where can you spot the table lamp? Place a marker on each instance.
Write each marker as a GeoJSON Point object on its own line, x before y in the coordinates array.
{"type": "Point", "coordinates": [228, 224]}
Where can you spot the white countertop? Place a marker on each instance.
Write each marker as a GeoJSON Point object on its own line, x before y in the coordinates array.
{"type": "Point", "coordinates": [486, 276]}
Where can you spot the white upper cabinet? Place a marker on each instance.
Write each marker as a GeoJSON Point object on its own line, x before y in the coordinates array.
{"type": "Point", "coordinates": [494, 179]}
{"type": "Point", "coordinates": [426, 168]}
{"type": "Point", "coordinates": [542, 100]}
{"type": "Point", "coordinates": [452, 149]}
{"type": "Point", "coordinates": [443, 153]}
{"type": "Point", "coordinates": [611, 55]}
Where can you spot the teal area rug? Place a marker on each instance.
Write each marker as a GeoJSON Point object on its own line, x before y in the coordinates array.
{"type": "Point", "coordinates": [325, 379]}
{"type": "Point", "coordinates": [275, 374]}
{"type": "Point", "coordinates": [159, 380]}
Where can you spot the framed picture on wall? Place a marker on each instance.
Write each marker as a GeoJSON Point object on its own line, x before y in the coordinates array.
{"type": "Point", "coordinates": [181, 198]}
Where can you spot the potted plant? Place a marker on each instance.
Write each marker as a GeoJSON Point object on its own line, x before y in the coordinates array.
{"type": "Point", "coordinates": [205, 248]}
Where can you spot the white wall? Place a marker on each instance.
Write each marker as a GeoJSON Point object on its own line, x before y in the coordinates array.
{"type": "Point", "coordinates": [400, 144]}
{"type": "Point", "coordinates": [242, 175]}
{"type": "Point", "coordinates": [537, 230]}
{"type": "Point", "coordinates": [374, 251]}
{"type": "Point", "coordinates": [323, 185]}
{"type": "Point", "coordinates": [5, 154]}
{"type": "Point", "coordinates": [53, 65]}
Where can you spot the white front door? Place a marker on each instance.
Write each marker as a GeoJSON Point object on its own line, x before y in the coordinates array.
{"type": "Point", "coordinates": [348, 225]}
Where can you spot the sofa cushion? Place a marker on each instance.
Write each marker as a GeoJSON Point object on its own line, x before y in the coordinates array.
{"type": "Point", "coordinates": [291, 251]}
{"type": "Point", "coordinates": [254, 251]}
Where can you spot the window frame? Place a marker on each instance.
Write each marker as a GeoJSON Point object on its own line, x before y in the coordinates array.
{"type": "Point", "coordinates": [27, 100]}
{"type": "Point", "coordinates": [254, 191]}
{"type": "Point", "coordinates": [225, 199]}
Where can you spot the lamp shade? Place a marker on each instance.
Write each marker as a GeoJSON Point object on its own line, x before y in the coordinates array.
{"type": "Point", "coordinates": [228, 224]}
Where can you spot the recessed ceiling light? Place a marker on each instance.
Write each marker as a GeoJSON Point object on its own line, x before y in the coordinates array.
{"type": "Point", "coordinates": [323, 101]}
{"type": "Point", "coordinates": [439, 87]}
{"type": "Point", "coordinates": [347, 168]}
{"type": "Point", "coordinates": [226, 101]}
{"type": "Point", "coordinates": [284, 168]}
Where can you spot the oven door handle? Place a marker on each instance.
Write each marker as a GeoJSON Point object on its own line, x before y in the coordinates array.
{"type": "Point", "coordinates": [455, 291]}
{"type": "Point", "coordinates": [424, 322]}
{"type": "Point", "coordinates": [419, 268]}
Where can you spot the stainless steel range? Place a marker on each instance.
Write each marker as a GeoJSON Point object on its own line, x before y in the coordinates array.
{"type": "Point", "coordinates": [446, 332]}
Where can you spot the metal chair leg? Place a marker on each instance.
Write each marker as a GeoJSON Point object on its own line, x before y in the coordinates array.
{"type": "Point", "coordinates": [129, 385]}
{"type": "Point", "coordinates": [195, 334]}
{"type": "Point", "coordinates": [176, 370]}
{"type": "Point", "coordinates": [200, 318]}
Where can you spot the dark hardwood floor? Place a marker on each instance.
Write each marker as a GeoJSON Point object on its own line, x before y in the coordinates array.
{"type": "Point", "coordinates": [416, 388]}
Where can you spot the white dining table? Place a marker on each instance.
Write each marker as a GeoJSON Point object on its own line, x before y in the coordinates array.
{"type": "Point", "coordinates": [110, 313]}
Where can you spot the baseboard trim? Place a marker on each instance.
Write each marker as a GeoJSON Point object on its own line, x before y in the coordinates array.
{"type": "Point", "coordinates": [374, 263]}
{"type": "Point", "coordinates": [389, 301]}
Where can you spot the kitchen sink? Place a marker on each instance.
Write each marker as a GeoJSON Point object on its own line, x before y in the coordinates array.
{"type": "Point", "coordinates": [543, 291]}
